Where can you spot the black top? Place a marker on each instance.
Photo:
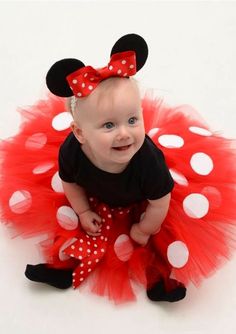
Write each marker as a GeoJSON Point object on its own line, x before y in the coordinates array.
{"type": "Point", "coordinates": [145, 177]}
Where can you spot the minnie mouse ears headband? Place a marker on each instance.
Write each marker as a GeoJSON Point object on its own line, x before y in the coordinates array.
{"type": "Point", "coordinates": [68, 77]}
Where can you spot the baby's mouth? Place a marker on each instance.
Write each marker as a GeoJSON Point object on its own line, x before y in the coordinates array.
{"type": "Point", "coordinates": [122, 148]}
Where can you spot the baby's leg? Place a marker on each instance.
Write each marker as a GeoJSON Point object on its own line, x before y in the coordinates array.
{"type": "Point", "coordinates": [165, 288]}
{"type": "Point", "coordinates": [59, 278]}
{"type": "Point", "coordinates": [159, 292]}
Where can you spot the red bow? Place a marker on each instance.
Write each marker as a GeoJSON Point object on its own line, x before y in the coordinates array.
{"type": "Point", "coordinates": [83, 81]}
{"type": "Point", "coordinates": [90, 250]}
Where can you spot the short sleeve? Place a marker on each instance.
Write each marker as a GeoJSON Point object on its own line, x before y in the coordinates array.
{"type": "Point", "coordinates": [156, 179]}
{"type": "Point", "coordinates": [65, 169]}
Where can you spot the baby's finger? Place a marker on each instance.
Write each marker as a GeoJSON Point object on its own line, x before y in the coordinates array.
{"type": "Point", "coordinates": [97, 218]}
{"type": "Point", "coordinates": [92, 228]}
{"type": "Point", "coordinates": [94, 234]}
{"type": "Point", "coordinates": [98, 225]}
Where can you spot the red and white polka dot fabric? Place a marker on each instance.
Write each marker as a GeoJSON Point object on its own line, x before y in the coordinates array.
{"type": "Point", "coordinates": [83, 81]}
{"type": "Point", "coordinates": [89, 250]}
{"type": "Point", "coordinates": [197, 236]}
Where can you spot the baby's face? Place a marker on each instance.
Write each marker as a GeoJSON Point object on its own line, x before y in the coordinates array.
{"type": "Point", "coordinates": [111, 127]}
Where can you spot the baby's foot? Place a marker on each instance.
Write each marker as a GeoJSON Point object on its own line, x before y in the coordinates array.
{"type": "Point", "coordinates": [59, 278]}
{"type": "Point", "coordinates": [159, 293]}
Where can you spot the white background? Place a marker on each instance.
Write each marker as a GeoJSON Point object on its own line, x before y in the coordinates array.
{"type": "Point", "coordinates": [192, 60]}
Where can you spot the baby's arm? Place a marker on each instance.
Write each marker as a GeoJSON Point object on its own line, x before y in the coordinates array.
{"type": "Point", "coordinates": [154, 216]}
{"type": "Point", "coordinates": [90, 221]}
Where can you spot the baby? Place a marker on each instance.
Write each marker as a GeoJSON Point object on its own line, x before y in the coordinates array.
{"type": "Point", "coordinates": [108, 158]}
{"type": "Point", "coordinates": [109, 126]}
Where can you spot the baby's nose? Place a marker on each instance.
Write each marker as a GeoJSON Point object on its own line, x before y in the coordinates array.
{"type": "Point", "coordinates": [123, 133]}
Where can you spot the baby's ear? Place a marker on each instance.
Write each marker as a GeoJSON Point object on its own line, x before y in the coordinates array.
{"type": "Point", "coordinates": [78, 133]}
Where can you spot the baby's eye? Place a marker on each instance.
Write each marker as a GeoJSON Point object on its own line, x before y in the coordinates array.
{"type": "Point", "coordinates": [132, 120]}
{"type": "Point", "coordinates": [108, 125]}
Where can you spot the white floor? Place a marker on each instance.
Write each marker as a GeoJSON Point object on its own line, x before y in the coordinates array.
{"type": "Point", "coordinates": [192, 60]}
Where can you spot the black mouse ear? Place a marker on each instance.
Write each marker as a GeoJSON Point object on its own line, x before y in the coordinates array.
{"type": "Point", "coordinates": [132, 42]}
{"type": "Point", "coordinates": [56, 76]}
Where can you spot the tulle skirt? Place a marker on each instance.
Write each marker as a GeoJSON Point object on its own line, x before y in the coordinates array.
{"type": "Point", "coordinates": [196, 238]}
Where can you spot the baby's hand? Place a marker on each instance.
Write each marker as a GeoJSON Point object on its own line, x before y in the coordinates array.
{"type": "Point", "coordinates": [138, 236]}
{"type": "Point", "coordinates": [91, 223]}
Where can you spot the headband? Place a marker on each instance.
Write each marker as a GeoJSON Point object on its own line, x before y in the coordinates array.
{"type": "Point", "coordinates": [70, 77]}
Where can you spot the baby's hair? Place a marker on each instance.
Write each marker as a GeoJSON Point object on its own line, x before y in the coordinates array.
{"type": "Point", "coordinates": [103, 91]}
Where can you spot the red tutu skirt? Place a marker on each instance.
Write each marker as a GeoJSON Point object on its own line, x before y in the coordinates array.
{"type": "Point", "coordinates": [197, 236]}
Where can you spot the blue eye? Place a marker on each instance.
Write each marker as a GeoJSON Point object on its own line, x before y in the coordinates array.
{"type": "Point", "coordinates": [132, 120]}
{"type": "Point", "coordinates": [108, 125]}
